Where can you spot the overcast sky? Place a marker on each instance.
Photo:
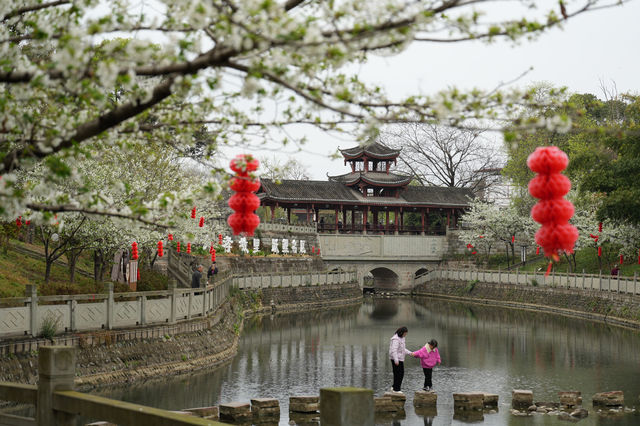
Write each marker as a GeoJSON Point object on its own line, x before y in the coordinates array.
{"type": "Point", "coordinates": [596, 47]}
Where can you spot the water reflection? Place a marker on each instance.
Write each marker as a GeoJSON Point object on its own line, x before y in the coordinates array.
{"type": "Point", "coordinates": [483, 349]}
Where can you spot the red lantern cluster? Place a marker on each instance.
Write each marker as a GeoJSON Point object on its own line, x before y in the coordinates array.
{"type": "Point", "coordinates": [160, 249]}
{"type": "Point", "coordinates": [552, 211]}
{"type": "Point", "coordinates": [244, 202]}
{"type": "Point", "coordinates": [134, 250]}
{"type": "Point", "coordinates": [600, 227]}
{"type": "Point", "coordinates": [513, 239]}
{"type": "Point", "coordinates": [19, 222]}
{"type": "Point", "coordinates": [188, 248]}
{"type": "Point", "coordinates": [201, 224]}
{"type": "Point", "coordinates": [193, 213]}
{"type": "Point", "coordinates": [220, 239]}
{"type": "Point", "coordinates": [213, 254]}
{"type": "Point", "coordinates": [178, 247]}
{"type": "Point", "coordinates": [170, 237]}
{"type": "Point", "coordinates": [621, 259]}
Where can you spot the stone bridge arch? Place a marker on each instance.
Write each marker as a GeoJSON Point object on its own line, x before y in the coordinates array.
{"type": "Point", "coordinates": [385, 278]}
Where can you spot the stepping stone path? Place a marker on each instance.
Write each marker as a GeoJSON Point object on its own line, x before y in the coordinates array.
{"type": "Point", "coordinates": [397, 399]}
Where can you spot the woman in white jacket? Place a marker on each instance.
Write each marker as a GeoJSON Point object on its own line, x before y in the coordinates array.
{"type": "Point", "coordinates": [397, 351]}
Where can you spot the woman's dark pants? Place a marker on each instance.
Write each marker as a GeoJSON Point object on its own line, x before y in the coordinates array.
{"type": "Point", "coordinates": [398, 375]}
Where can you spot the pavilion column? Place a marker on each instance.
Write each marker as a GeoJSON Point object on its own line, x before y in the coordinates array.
{"type": "Point", "coordinates": [427, 220]}
{"type": "Point", "coordinates": [273, 213]}
{"type": "Point", "coordinates": [375, 219]}
{"type": "Point", "coordinates": [289, 215]}
{"type": "Point", "coordinates": [336, 221]}
{"type": "Point", "coordinates": [386, 224]}
{"type": "Point", "coordinates": [422, 220]}
{"type": "Point", "coordinates": [365, 213]}
{"type": "Point", "coordinates": [308, 215]}
{"type": "Point", "coordinates": [448, 219]}
{"type": "Point", "coordinates": [353, 222]}
{"type": "Point", "coordinates": [397, 220]}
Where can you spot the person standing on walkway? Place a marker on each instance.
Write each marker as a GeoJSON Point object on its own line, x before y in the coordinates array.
{"type": "Point", "coordinates": [397, 352]}
{"type": "Point", "coordinates": [213, 269]}
{"type": "Point", "coordinates": [195, 278]}
{"type": "Point", "coordinates": [429, 357]}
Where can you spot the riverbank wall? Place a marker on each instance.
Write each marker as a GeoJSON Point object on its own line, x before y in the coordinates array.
{"type": "Point", "coordinates": [133, 355]}
{"type": "Point", "coordinates": [621, 309]}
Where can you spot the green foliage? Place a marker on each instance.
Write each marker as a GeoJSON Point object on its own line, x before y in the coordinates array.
{"type": "Point", "coordinates": [152, 280]}
{"type": "Point", "coordinates": [534, 282]}
{"type": "Point", "coordinates": [470, 286]}
{"type": "Point", "coordinates": [50, 325]}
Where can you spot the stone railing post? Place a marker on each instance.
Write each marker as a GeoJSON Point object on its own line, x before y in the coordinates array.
{"type": "Point", "coordinates": [72, 314]}
{"type": "Point", "coordinates": [32, 292]}
{"type": "Point", "coordinates": [110, 304]}
{"type": "Point", "coordinates": [346, 407]}
{"type": "Point", "coordinates": [173, 294]}
{"type": "Point", "coordinates": [143, 309]}
{"type": "Point", "coordinates": [56, 372]}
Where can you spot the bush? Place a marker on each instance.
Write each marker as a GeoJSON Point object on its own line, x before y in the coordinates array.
{"type": "Point", "coordinates": [151, 280]}
{"type": "Point", "coordinates": [50, 324]}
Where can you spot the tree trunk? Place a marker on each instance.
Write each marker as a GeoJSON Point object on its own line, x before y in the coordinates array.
{"type": "Point", "coordinates": [47, 270]}
{"type": "Point", "coordinates": [506, 245]}
{"type": "Point", "coordinates": [72, 260]}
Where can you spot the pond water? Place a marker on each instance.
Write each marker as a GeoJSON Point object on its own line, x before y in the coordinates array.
{"type": "Point", "coordinates": [482, 348]}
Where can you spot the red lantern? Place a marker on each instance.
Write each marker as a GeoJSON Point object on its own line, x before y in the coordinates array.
{"type": "Point", "coordinates": [19, 222]}
{"type": "Point", "coordinates": [318, 251]}
{"type": "Point", "coordinates": [188, 248]}
{"type": "Point", "coordinates": [160, 249]}
{"type": "Point", "coordinates": [201, 224]}
{"type": "Point", "coordinates": [600, 227]}
{"type": "Point", "coordinates": [244, 202]}
{"type": "Point", "coordinates": [599, 251]}
{"type": "Point", "coordinates": [513, 239]}
{"type": "Point", "coordinates": [537, 249]}
{"type": "Point", "coordinates": [28, 222]}
{"type": "Point", "coordinates": [178, 247]}
{"type": "Point", "coordinates": [474, 252]}
{"type": "Point", "coordinates": [220, 239]}
{"type": "Point", "coordinates": [621, 259]}
{"type": "Point", "coordinates": [213, 255]}
{"type": "Point", "coordinates": [138, 274]}
{"type": "Point", "coordinates": [170, 237]}
{"type": "Point", "coordinates": [134, 250]}
{"type": "Point", "coordinates": [193, 213]}
{"type": "Point", "coordinates": [552, 211]}
{"type": "Point", "coordinates": [638, 257]}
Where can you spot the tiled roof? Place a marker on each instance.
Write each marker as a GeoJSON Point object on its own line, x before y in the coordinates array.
{"type": "Point", "coordinates": [439, 195]}
{"type": "Point", "coordinates": [307, 191]}
{"type": "Point", "coordinates": [375, 178]}
{"type": "Point", "coordinates": [373, 150]}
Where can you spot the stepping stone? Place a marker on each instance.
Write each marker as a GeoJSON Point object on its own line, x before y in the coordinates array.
{"type": "Point", "coordinates": [490, 400]}
{"type": "Point", "coordinates": [465, 401]}
{"type": "Point", "coordinates": [425, 399]}
{"type": "Point", "coordinates": [609, 399]}
{"type": "Point", "coordinates": [521, 399]}
{"type": "Point", "coordinates": [304, 404]}
{"type": "Point", "coordinates": [265, 407]}
{"type": "Point", "coordinates": [235, 411]}
{"type": "Point", "coordinates": [384, 404]}
{"type": "Point", "coordinates": [570, 398]}
{"type": "Point", "coordinates": [397, 399]}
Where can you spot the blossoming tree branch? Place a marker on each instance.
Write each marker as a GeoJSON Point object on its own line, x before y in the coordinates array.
{"type": "Point", "coordinates": [81, 78]}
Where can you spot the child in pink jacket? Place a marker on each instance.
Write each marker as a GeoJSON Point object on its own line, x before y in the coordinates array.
{"type": "Point", "coordinates": [429, 357]}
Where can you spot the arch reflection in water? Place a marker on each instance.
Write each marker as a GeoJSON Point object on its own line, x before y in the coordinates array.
{"type": "Point", "coordinates": [482, 348]}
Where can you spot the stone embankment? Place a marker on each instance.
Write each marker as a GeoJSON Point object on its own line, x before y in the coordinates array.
{"type": "Point", "coordinates": [611, 307]}
{"type": "Point", "coordinates": [123, 356]}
